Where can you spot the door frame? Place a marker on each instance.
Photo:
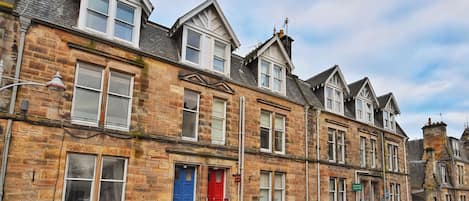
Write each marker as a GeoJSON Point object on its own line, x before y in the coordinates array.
{"type": "Point", "coordinates": [195, 166]}
{"type": "Point", "coordinates": [225, 170]}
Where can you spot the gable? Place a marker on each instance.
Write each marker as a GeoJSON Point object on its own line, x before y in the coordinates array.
{"type": "Point", "coordinates": [209, 20]}
{"type": "Point", "coordinates": [368, 93]}
{"type": "Point", "coordinates": [275, 53]}
{"type": "Point", "coordinates": [336, 80]}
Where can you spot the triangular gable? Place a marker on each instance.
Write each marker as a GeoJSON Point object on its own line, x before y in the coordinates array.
{"type": "Point", "coordinates": [203, 15]}
{"type": "Point", "coordinates": [367, 84]}
{"type": "Point", "coordinates": [283, 51]}
{"type": "Point", "coordinates": [223, 86]}
{"type": "Point", "coordinates": [338, 72]}
{"type": "Point", "coordinates": [195, 78]}
{"type": "Point", "coordinates": [391, 103]}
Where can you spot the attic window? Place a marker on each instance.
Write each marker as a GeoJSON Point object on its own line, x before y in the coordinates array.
{"type": "Point", "coordinates": [389, 120]}
{"type": "Point", "coordinates": [364, 107]}
{"type": "Point", "coordinates": [271, 76]}
{"type": "Point", "coordinates": [113, 19]}
{"type": "Point", "coordinates": [334, 100]}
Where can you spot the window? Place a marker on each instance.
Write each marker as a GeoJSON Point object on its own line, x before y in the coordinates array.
{"type": "Point", "coordinates": [112, 181]}
{"type": "Point", "coordinates": [341, 146]}
{"type": "Point", "coordinates": [386, 119]}
{"type": "Point", "coordinates": [88, 93]}
{"type": "Point", "coordinates": [331, 144]}
{"type": "Point", "coordinates": [337, 189]}
{"type": "Point", "coordinates": [190, 115]}
{"type": "Point", "coordinates": [334, 100]}
{"type": "Point", "coordinates": [444, 178]}
{"type": "Point", "coordinates": [359, 109]}
{"type": "Point", "coordinates": [265, 189]}
{"type": "Point", "coordinates": [364, 111]}
{"type": "Point", "coordinates": [362, 152]}
{"type": "Point", "coordinates": [336, 145]}
{"type": "Point", "coordinates": [80, 177]}
{"type": "Point", "coordinates": [389, 120]}
{"type": "Point", "coordinates": [373, 153]}
{"type": "Point", "coordinates": [456, 150]}
{"type": "Point", "coordinates": [279, 134]}
{"type": "Point", "coordinates": [391, 192]}
{"type": "Point", "coordinates": [462, 197]}
{"type": "Point", "coordinates": [448, 197]}
{"type": "Point", "coordinates": [460, 171]}
{"type": "Point", "coordinates": [271, 76]}
{"type": "Point", "coordinates": [219, 57]}
{"type": "Point", "coordinates": [393, 159]}
{"type": "Point", "coordinates": [279, 193]}
{"type": "Point", "coordinates": [218, 121]}
{"type": "Point", "coordinates": [115, 19]}
{"type": "Point", "coordinates": [398, 192]}
{"type": "Point", "coordinates": [369, 112]}
{"type": "Point", "coordinates": [266, 130]}
{"type": "Point", "coordinates": [193, 46]}
{"type": "Point", "coordinates": [119, 100]}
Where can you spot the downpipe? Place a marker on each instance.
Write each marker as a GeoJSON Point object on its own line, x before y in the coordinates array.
{"type": "Point", "coordinates": [241, 146]}
{"type": "Point", "coordinates": [24, 23]}
{"type": "Point", "coordinates": [306, 154]}
{"type": "Point", "coordinates": [318, 113]}
{"type": "Point", "coordinates": [405, 169]}
{"type": "Point", "coordinates": [383, 165]}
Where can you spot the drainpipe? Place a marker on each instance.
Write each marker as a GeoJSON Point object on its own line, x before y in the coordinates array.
{"type": "Point", "coordinates": [24, 22]}
{"type": "Point", "coordinates": [318, 112]}
{"type": "Point", "coordinates": [1, 70]}
{"type": "Point", "coordinates": [405, 168]}
{"type": "Point", "coordinates": [306, 154]}
{"type": "Point", "coordinates": [383, 164]}
{"type": "Point", "coordinates": [241, 146]}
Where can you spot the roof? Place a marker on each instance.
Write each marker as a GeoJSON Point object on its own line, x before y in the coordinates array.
{"type": "Point", "coordinates": [415, 150]}
{"type": "Point", "coordinates": [320, 79]}
{"type": "Point", "coordinates": [417, 174]}
{"type": "Point", "coordinates": [358, 85]}
{"type": "Point", "coordinates": [251, 56]}
{"type": "Point", "coordinates": [308, 94]}
{"type": "Point", "coordinates": [385, 99]}
{"type": "Point", "coordinates": [183, 19]}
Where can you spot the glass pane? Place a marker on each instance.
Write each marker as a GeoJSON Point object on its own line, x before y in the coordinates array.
{"type": "Point", "coordinates": [117, 111]}
{"type": "Point", "coordinates": [219, 64]}
{"type": "Point", "coordinates": [278, 196]}
{"type": "Point", "coordinates": [218, 177]}
{"type": "Point", "coordinates": [329, 91]}
{"type": "Point", "coordinates": [193, 39]}
{"type": "Point", "coordinates": [279, 123]}
{"type": "Point", "coordinates": [265, 79]}
{"type": "Point", "coordinates": [265, 66]}
{"type": "Point", "coordinates": [218, 108]}
{"type": "Point", "coordinates": [279, 181]}
{"type": "Point", "coordinates": [123, 31]}
{"type": "Point", "coordinates": [265, 138]}
{"type": "Point", "coordinates": [331, 151]}
{"type": "Point", "coordinates": [191, 100]}
{"type": "Point", "coordinates": [217, 129]}
{"type": "Point", "coordinates": [265, 180]}
{"type": "Point", "coordinates": [340, 197]}
{"type": "Point", "coordinates": [113, 168]}
{"type": "Point", "coordinates": [78, 190]}
{"type": "Point", "coordinates": [277, 85]}
{"type": "Point", "coordinates": [264, 195]}
{"type": "Point", "coordinates": [81, 166]}
{"type": "Point", "coordinates": [189, 124]}
{"type": "Point", "coordinates": [101, 6]}
{"type": "Point", "coordinates": [125, 13]}
{"type": "Point", "coordinates": [278, 141]}
{"type": "Point", "coordinates": [219, 50]}
{"type": "Point", "coordinates": [331, 184]}
{"type": "Point", "coordinates": [265, 119]}
{"type": "Point", "coordinates": [86, 105]}
{"type": "Point", "coordinates": [120, 84]}
{"type": "Point", "coordinates": [331, 196]}
{"type": "Point", "coordinates": [89, 76]}
{"type": "Point", "coordinates": [96, 21]}
{"type": "Point", "coordinates": [192, 55]}
{"type": "Point", "coordinates": [110, 191]}
{"type": "Point", "coordinates": [277, 72]}
{"type": "Point", "coordinates": [189, 172]}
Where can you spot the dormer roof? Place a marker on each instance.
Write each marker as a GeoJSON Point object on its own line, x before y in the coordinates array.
{"type": "Point", "coordinates": [200, 10]}
{"type": "Point", "coordinates": [357, 86]}
{"type": "Point", "coordinates": [321, 79]}
{"type": "Point", "coordinates": [147, 7]}
{"type": "Point", "coordinates": [387, 99]}
{"type": "Point", "coordinates": [274, 40]}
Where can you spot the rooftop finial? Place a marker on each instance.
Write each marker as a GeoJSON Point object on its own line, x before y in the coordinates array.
{"type": "Point", "coordinates": [275, 30]}
{"type": "Point", "coordinates": [429, 121]}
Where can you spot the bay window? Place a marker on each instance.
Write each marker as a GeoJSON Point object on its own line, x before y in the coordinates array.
{"type": "Point", "coordinates": [114, 19]}
{"type": "Point", "coordinates": [389, 120]}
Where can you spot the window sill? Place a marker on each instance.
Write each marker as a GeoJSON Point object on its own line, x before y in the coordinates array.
{"type": "Point", "coordinates": [189, 139]}
{"type": "Point", "coordinates": [84, 123]}
{"type": "Point", "coordinates": [106, 37]}
{"type": "Point", "coordinates": [265, 150]}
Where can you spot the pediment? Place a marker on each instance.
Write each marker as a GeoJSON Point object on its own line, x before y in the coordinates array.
{"type": "Point", "coordinates": [196, 78]}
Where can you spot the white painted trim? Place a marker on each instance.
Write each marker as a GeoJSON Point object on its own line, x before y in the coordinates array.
{"type": "Point", "coordinates": [373, 153]}
{"type": "Point", "coordinates": [129, 97]}
{"type": "Point", "coordinates": [367, 82]}
{"type": "Point", "coordinates": [196, 138]}
{"type": "Point", "coordinates": [272, 63]}
{"type": "Point", "coordinates": [81, 122]}
{"type": "Point", "coordinates": [334, 109]}
{"type": "Point", "coordinates": [270, 132]}
{"type": "Point", "coordinates": [64, 189]}
{"type": "Point", "coordinates": [284, 133]}
{"type": "Point", "coordinates": [123, 181]}
{"type": "Point", "coordinates": [344, 83]}
{"type": "Point", "coordinates": [284, 52]}
{"type": "Point", "coordinates": [224, 122]}
{"type": "Point", "coordinates": [334, 147]}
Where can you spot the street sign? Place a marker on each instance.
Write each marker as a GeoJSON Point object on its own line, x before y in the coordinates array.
{"type": "Point", "coordinates": [357, 187]}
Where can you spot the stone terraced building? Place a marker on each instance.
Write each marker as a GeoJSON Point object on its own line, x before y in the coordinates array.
{"type": "Point", "coordinates": [171, 113]}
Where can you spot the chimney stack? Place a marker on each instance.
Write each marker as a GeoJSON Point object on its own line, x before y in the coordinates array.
{"type": "Point", "coordinates": [286, 41]}
{"type": "Point", "coordinates": [434, 137]}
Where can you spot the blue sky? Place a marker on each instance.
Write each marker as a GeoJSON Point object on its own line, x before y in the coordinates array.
{"type": "Point", "coordinates": [419, 49]}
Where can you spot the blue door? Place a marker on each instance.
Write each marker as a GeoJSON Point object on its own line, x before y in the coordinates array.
{"type": "Point", "coordinates": [184, 183]}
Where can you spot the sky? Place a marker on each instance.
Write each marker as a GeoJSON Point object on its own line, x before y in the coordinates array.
{"type": "Point", "coordinates": [419, 49]}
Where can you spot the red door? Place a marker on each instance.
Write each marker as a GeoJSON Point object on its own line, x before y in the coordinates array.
{"type": "Point", "coordinates": [216, 184]}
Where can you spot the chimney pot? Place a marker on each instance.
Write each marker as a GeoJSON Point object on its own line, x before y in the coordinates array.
{"type": "Point", "coordinates": [429, 121]}
{"type": "Point", "coordinates": [281, 33]}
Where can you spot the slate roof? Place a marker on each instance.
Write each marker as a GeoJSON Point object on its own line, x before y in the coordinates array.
{"type": "Point", "coordinates": [322, 77]}
{"type": "Point", "coordinates": [417, 174]}
{"type": "Point", "coordinates": [382, 100]}
{"type": "Point", "coordinates": [356, 86]}
{"type": "Point", "coordinates": [415, 150]}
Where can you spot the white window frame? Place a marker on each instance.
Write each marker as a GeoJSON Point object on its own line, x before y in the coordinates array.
{"type": "Point", "coordinates": [206, 50]}
{"type": "Point", "coordinates": [123, 181]}
{"type": "Point", "coordinates": [447, 197]}
{"type": "Point", "coordinates": [334, 99]}
{"type": "Point", "coordinates": [391, 192]}
{"type": "Point", "coordinates": [282, 130]}
{"type": "Point", "coordinates": [272, 63]}
{"type": "Point", "coordinates": [269, 186]}
{"type": "Point", "coordinates": [364, 110]}
{"type": "Point", "coordinates": [223, 119]}
{"type": "Point", "coordinates": [444, 178]}
{"type": "Point", "coordinates": [75, 86]}
{"type": "Point", "coordinates": [373, 143]}
{"type": "Point", "coordinates": [270, 132]}
{"type": "Point", "coordinates": [362, 151]}
{"type": "Point", "coordinates": [341, 144]}
{"type": "Point", "coordinates": [398, 192]}
{"type": "Point", "coordinates": [393, 156]}
{"type": "Point", "coordinates": [129, 97]}
{"type": "Point", "coordinates": [282, 188]}
{"type": "Point", "coordinates": [457, 151]}
{"type": "Point", "coordinates": [196, 118]}
{"type": "Point", "coordinates": [109, 34]}
{"type": "Point", "coordinates": [462, 197]}
{"type": "Point", "coordinates": [79, 179]}
{"type": "Point", "coordinates": [391, 119]}
{"type": "Point", "coordinates": [333, 191]}
{"type": "Point", "coordinates": [337, 191]}
{"type": "Point", "coordinates": [460, 172]}
{"type": "Point", "coordinates": [334, 144]}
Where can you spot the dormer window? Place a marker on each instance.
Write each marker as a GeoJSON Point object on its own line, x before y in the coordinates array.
{"type": "Point", "coordinates": [334, 100]}
{"type": "Point", "coordinates": [203, 50]}
{"type": "Point", "coordinates": [364, 107]}
{"type": "Point", "coordinates": [456, 150]}
{"type": "Point", "coordinates": [272, 76]}
{"type": "Point", "coordinates": [389, 120]}
{"type": "Point", "coordinates": [113, 19]}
